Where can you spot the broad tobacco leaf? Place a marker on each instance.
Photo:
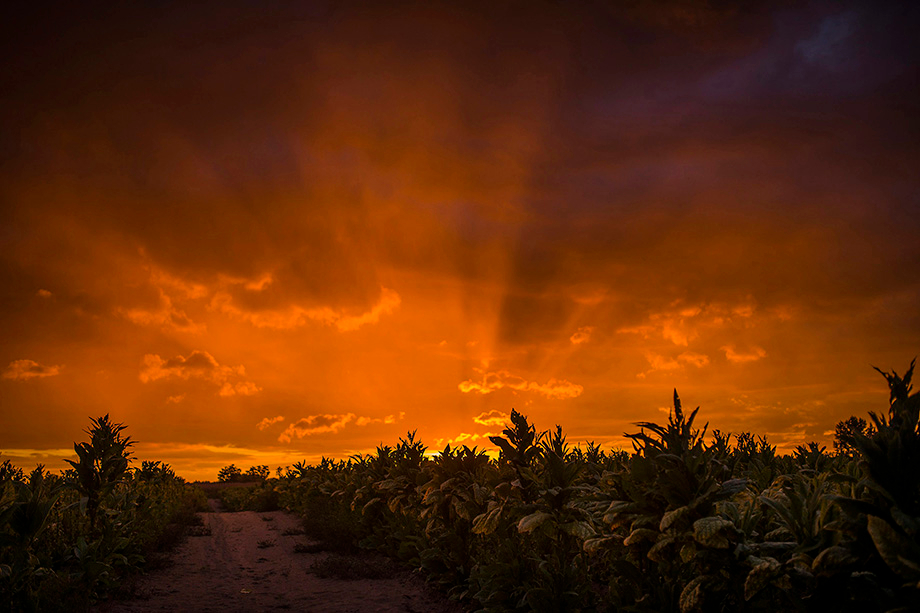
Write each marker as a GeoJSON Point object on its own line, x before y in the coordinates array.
{"type": "Point", "coordinates": [713, 531]}
{"type": "Point", "coordinates": [764, 571]}
{"type": "Point", "coordinates": [531, 522]}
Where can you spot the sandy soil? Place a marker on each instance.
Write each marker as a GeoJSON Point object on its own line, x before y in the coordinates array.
{"type": "Point", "coordinates": [228, 571]}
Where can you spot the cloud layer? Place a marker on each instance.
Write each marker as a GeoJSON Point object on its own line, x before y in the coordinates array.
{"type": "Point", "coordinates": [554, 389]}
{"type": "Point", "coordinates": [23, 370]}
{"type": "Point", "coordinates": [365, 221]}
{"type": "Point", "coordinates": [198, 365]}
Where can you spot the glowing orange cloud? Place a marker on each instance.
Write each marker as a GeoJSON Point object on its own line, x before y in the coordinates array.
{"type": "Point", "coordinates": [295, 316]}
{"type": "Point", "coordinates": [166, 315]}
{"type": "Point", "coordinates": [556, 389]}
{"type": "Point", "coordinates": [23, 370]}
{"type": "Point", "coordinates": [389, 419]}
{"type": "Point", "coordinates": [315, 424]}
{"type": "Point", "coordinates": [464, 438]}
{"type": "Point", "coordinates": [756, 353]}
{"type": "Point", "coordinates": [582, 335]}
{"type": "Point", "coordinates": [682, 324]}
{"type": "Point", "coordinates": [269, 421]}
{"type": "Point", "coordinates": [492, 418]}
{"type": "Point", "coordinates": [199, 365]}
{"type": "Point", "coordinates": [659, 363]}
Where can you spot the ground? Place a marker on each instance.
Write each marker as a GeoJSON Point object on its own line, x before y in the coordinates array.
{"type": "Point", "coordinates": [246, 562]}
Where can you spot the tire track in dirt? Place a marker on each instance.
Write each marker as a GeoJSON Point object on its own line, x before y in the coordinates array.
{"type": "Point", "coordinates": [247, 564]}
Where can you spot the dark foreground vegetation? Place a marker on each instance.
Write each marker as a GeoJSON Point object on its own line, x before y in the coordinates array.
{"type": "Point", "coordinates": [686, 522]}
{"type": "Point", "coordinates": [68, 540]}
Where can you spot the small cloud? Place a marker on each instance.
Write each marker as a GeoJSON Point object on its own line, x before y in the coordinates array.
{"type": "Point", "coordinates": [198, 365]}
{"type": "Point", "coordinates": [660, 362]}
{"type": "Point", "coordinates": [242, 388]}
{"type": "Point", "coordinates": [166, 315]}
{"type": "Point", "coordinates": [582, 335]}
{"type": "Point", "coordinates": [259, 284]}
{"type": "Point", "coordinates": [296, 316]}
{"type": "Point", "coordinates": [389, 302]}
{"type": "Point", "coordinates": [557, 389]}
{"type": "Point", "coordinates": [176, 399]}
{"type": "Point", "coordinates": [696, 359]}
{"type": "Point", "coordinates": [269, 421]}
{"type": "Point", "coordinates": [744, 311]}
{"type": "Point", "coordinates": [589, 295]}
{"type": "Point", "coordinates": [43, 293]}
{"type": "Point", "coordinates": [177, 286]}
{"type": "Point", "coordinates": [389, 419]}
{"type": "Point", "coordinates": [23, 370]}
{"type": "Point", "coordinates": [682, 324]}
{"type": "Point", "coordinates": [736, 357]}
{"type": "Point", "coordinates": [464, 438]}
{"type": "Point", "coordinates": [315, 424]}
{"type": "Point", "coordinates": [492, 418]}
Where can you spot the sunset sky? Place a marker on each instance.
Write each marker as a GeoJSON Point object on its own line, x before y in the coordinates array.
{"type": "Point", "coordinates": [261, 235]}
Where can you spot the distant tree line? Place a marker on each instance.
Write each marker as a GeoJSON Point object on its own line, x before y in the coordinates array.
{"type": "Point", "coordinates": [232, 474]}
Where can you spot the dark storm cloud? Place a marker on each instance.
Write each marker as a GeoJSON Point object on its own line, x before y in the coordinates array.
{"type": "Point", "coordinates": [747, 173]}
{"type": "Point", "coordinates": [267, 145]}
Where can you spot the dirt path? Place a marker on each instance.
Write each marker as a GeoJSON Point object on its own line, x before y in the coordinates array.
{"type": "Point", "coordinates": [247, 564]}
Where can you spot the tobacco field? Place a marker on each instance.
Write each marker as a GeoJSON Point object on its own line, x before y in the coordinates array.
{"type": "Point", "coordinates": [70, 539]}
{"type": "Point", "coordinates": [689, 520]}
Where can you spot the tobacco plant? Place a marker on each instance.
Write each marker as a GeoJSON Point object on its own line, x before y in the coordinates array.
{"type": "Point", "coordinates": [681, 524]}
{"type": "Point", "coordinates": [69, 540]}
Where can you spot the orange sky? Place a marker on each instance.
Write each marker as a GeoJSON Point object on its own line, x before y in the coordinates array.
{"type": "Point", "coordinates": [260, 237]}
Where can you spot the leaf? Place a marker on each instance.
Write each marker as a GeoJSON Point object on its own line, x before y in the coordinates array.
{"type": "Point", "coordinates": [595, 544]}
{"type": "Point", "coordinates": [833, 559]}
{"type": "Point", "coordinates": [891, 546]}
{"type": "Point", "coordinates": [462, 511]}
{"type": "Point", "coordinates": [691, 597]}
{"type": "Point", "coordinates": [779, 534]}
{"type": "Point", "coordinates": [488, 521]}
{"type": "Point", "coordinates": [672, 517]}
{"type": "Point", "coordinates": [531, 522]}
{"type": "Point", "coordinates": [656, 553]}
{"type": "Point", "coordinates": [639, 535]}
{"type": "Point", "coordinates": [688, 552]}
{"type": "Point", "coordinates": [711, 532]}
{"type": "Point", "coordinates": [733, 486]}
{"type": "Point", "coordinates": [615, 515]}
{"type": "Point", "coordinates": [764, 571]}
{"type": "Point", "coordinates": [905, 521]}
{"type": "Point", "coordinates": [578, 529]}
{"type": "Point", "coordinates": [504, 445]}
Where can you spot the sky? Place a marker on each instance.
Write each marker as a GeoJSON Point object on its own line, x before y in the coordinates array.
{"type": "Point", "coordinates": [266, 234]}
